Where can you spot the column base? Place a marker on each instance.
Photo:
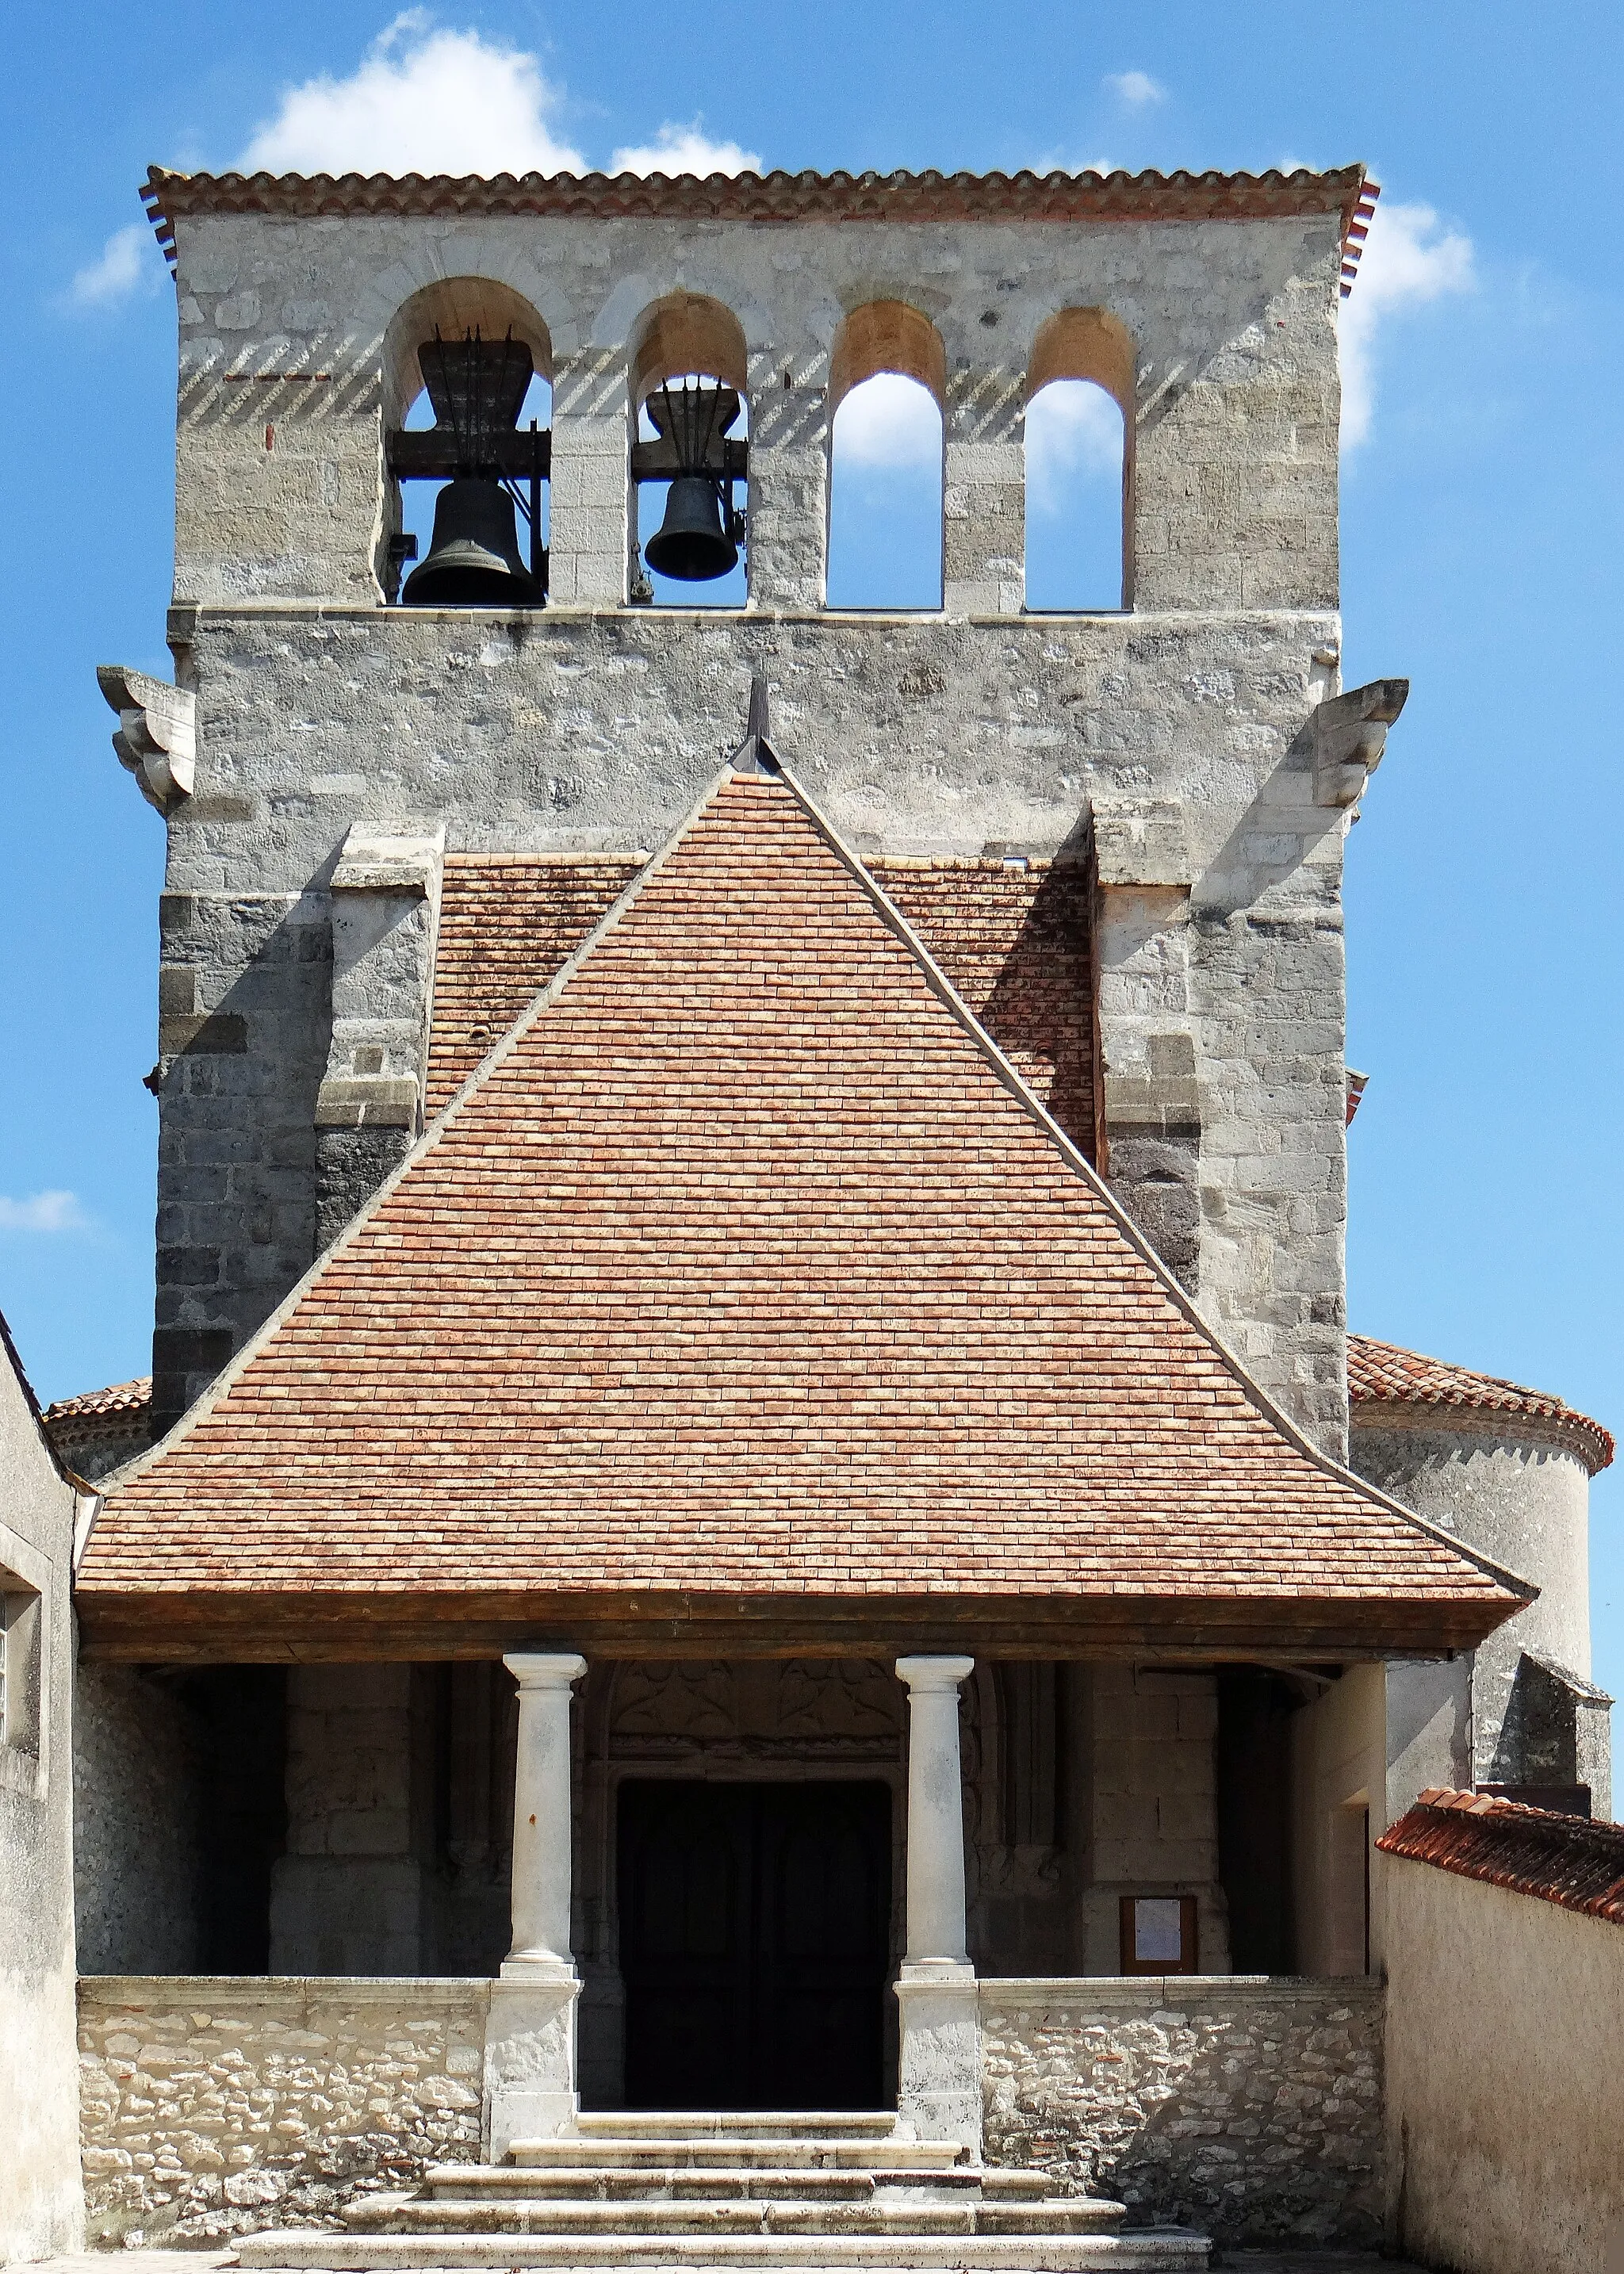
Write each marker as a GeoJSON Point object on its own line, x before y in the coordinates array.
{"type": "Point", "coordinates": [939, 2080]}
{"type": "Point", "coordinates": [529, 2089]}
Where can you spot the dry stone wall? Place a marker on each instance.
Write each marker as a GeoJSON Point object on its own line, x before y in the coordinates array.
{"type": "Point", "coordinates": [214, 2106]}
{"type": "Point", "coordinates": [1249, 2108]}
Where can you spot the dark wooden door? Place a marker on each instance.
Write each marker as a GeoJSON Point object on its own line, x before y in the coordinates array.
{"type": "Point", "coordinates": [754, 1940]}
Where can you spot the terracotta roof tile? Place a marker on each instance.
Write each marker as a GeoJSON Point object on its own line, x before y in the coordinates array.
{"type": "Point", "coordinates": [744, 1268]}
{"type": "Point", "coordinates": [1014, 940]}
{"type": "Point", "coordinates": [1532, 1851]}
{"type": "Point", "coordinates": [1380, 1375]}
{"type": "Point", "coordinates": [122, 1397]}
{"type": "Point", "coordinates": [505, 927]}
{"type": "Point", "coordinates": [776, 197]}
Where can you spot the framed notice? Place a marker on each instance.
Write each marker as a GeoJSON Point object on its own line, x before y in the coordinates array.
{"type": "Point", "coordinates": [1159, 1934]}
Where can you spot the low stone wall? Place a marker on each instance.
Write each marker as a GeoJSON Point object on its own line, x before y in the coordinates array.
{"type": "Point", "coordinates": [1249, 2107]}
{"type": "Point", "coordinates": [210, 2106]}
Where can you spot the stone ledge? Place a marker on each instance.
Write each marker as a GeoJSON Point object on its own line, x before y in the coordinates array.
{"type": "Point", "coordinates": [1162, 1990]}
{"type": "Point", "coordinates": [120, 1990]}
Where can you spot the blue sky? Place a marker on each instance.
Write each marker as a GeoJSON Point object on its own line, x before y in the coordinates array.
{"type": "Point", "coordinates": [1483, 504]}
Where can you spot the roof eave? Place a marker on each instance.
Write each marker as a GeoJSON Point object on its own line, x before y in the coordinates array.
{"type": "Point", "coordinates": [414, 1621]}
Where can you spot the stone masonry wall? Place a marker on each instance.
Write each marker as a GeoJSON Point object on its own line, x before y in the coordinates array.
{"type": "Point", "coordinates": [213, 2107]}
{"type": "Point", "coordinates": [1247, 2107]}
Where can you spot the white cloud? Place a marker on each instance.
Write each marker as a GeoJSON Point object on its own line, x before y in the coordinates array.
{"type": "Point", "coordinates": [43, 1212]}
{"type": "Point", "coordinates": [684, 150]}
{"type": "Point", "coordinates": [889, 421]}
{"type": "Point", "coordinates": [129, 262]}
{"type": "Point", "coordinates": [1071, 428]}
{"type": "Point", "coordinates": [1409, 259]}
{"type": "Point", "coordinates": [423, 101]}
{"type": "Point", "coordinates": [1136, 88]}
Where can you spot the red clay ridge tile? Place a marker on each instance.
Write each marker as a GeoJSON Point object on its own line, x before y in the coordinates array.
{"type": "Point", "coordinates": [1567, 1860]}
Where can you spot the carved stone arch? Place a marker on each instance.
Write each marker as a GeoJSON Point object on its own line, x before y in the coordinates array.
{"type": "Point", "coordinates": [457, 306]}
{"type": "Point", "coordinates": [499, 262]}
{"type": "Point", "coordinates": [683, 331]}
{"type": "Point", "coordinates": [883, 336]}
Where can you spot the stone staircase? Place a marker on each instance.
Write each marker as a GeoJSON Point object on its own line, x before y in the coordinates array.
{"type": "Point", "coordinates": [769, 2191]}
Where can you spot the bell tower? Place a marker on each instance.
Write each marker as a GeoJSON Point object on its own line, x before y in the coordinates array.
{"type": "Point", "coordinates": [1120, 830]}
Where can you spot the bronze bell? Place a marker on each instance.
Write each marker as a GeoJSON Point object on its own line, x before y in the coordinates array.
{"type": "Point", "coordinates": [698, 537]}
{"type": "Point", "coordinates": [692, 542]}
{"type": "Point", "coordinates": [475, 561]}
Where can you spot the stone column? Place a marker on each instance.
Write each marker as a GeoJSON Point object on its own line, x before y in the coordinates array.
{"type": "Point", "coordinates": [590, 539]}
{"type": "Point", "coordinates": [789, 478]}
{"type": "Point", "coordinates": [939, 2082]}
{"type": "Point", "coordinates": [983, 495]}
{"type": "Point", "coordinates": [530, 2090]}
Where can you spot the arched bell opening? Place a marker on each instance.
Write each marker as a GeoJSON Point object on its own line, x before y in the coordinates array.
{"type": "Point", "coordinates": [887, 383]}
{"type": "Point", "coordinates": [1079, 464]}
{"type": "Point", "coordinates": [468, 418]}
{"type": "Point", "coordinates": [690, 457]}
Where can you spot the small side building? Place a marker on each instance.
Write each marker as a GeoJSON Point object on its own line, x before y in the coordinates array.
{"type": "Point", "coordinates": [1505, 1470]}
{"type": "Point", "coordinates": [41, 2205]}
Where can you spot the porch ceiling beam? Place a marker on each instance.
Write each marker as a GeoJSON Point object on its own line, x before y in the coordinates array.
{"type": "Point", "coordinates": [410, 1624]}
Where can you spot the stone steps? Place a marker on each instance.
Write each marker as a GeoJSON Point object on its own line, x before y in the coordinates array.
{"type": "Point", "coordinates": [1150, 2250]}
{"type": "Point", "coordinates": [663, 2153]}
{"type": "Point", "coordinates": [797, 2124]}
{"type": "Point", "coordinates": [769, 2191]}
{"type": "Point", "coordinates": [702, 2182]}
{"type": "Point", "coordinates": [878, 2214]}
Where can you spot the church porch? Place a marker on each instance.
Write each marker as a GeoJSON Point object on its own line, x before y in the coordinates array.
{"type": "Point", "coordinates": [740, 1856]}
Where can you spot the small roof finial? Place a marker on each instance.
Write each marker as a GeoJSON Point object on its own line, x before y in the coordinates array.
{"type": "Point", "coordinates": [755, 751]}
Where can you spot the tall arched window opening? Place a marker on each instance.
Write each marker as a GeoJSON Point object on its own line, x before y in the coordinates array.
{"type": "Point", "coordinates": [1079, 464]}
{"type": "Point", "coordinates": [1073, 497]}
{"type": "Point", "coordinates": [690, 457]}
{"type": "Point", "coordinates": [467, 419]}
{"type": "Point", "coordinates": [887, 379]}
{"type": "Point", "coordinates": [419, 499]}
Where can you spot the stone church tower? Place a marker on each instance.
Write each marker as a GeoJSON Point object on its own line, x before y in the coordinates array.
{"type": "Point", "coordinates": [353, 758]}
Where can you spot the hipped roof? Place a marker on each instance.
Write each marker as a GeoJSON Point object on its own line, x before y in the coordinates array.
{"type": "Point", "coordinates": [744, 1294]}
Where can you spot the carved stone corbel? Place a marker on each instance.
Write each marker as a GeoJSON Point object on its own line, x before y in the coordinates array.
{"type": "Point", "coordinates": [157, 732]}
{"type": "Point", "coordinates": [1350, 732]}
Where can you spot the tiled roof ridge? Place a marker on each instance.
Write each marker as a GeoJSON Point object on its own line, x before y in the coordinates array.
{"type": "Point", "coordinates": [1385, 1373]}
{"type": "Point", "coordinates": [1006, 1071]}
{"type": "Point", "coordinates": [901, 195]}
{"type": "Point", "coordinates": [1572, 1861]}
{"type": "Point", "coordinates": [117, 1398]}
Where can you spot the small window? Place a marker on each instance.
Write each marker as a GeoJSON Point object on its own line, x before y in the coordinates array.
{"type": "Point", "coordinates": [1159, 1934]}
{"type": "Point", "coordinates": [20, 1666]}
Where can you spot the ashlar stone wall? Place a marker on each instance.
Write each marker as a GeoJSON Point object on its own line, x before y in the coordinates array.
{"type": "Point", "coordinates": [1249, 2107]}
{"type": "Point", "coordinates": [211, 2106]}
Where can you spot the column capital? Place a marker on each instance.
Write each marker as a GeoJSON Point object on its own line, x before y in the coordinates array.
{"type": "Point", "coordinates": [935, 1673]}
{"type": "Point", "coordinates": [544, 1669]}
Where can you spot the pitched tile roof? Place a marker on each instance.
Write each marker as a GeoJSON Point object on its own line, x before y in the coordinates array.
{"type": "Point", "coordinates": [1380, 1376]}
{"type": "Point", "coordinates": [1532, 1851]}
{"type": "Point", "coordinates": [745, 1270]}
{"type": "Point", "coordinates": [1015, 938]}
